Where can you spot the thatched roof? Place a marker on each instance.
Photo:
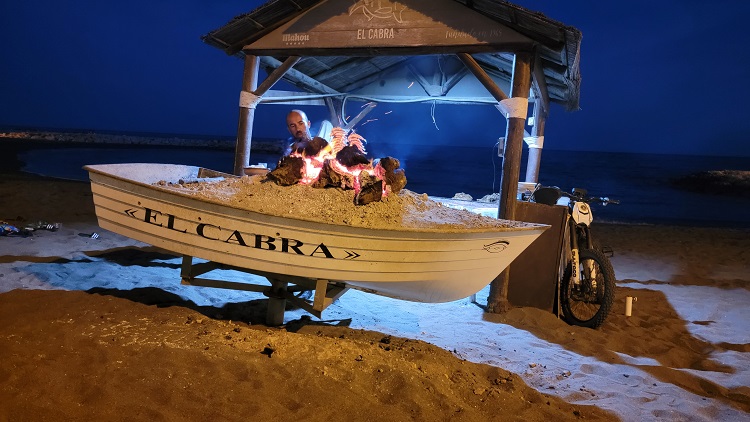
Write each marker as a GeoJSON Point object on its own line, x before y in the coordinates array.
{"type": "Point", "coordinates": [340, 65]}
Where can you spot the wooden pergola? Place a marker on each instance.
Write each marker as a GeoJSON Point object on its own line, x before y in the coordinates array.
{"type": "Point", "coordinates": [458, 51]}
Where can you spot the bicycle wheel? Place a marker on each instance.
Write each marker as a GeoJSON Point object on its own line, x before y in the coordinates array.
{"type": "Point", "coordinates": [588, 303]}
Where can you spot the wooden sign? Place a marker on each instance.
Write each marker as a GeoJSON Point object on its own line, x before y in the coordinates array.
{"type": "Point", "coordinates": [389, 27]}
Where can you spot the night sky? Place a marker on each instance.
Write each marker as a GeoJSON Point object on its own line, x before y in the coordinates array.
{"type": "Point", "coordinates": [663, 77]}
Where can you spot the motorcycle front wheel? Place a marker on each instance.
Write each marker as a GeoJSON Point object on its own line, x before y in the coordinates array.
{"type": "Point", "coordinates": [588, 303]}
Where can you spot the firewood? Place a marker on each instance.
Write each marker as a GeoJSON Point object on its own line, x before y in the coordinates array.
{"type": "Point", "coordinates": [390, 163]}
{"type": "Point", "coordinates": [288, 171]}
{"type": "Point", "coordinates": [350, 156]}
{"type": "Point", "coordinates": [396, 180]}
{"type": "Point", "coordinates": [339, 172]}
{"type": "Point", "coordinates": [371, 189]}
{"type": "Point", "coordinates": [309, 147]}
{"type": "Point", "coordinates": [329, 177]}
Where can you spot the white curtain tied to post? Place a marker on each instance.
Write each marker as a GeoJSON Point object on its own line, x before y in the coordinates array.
{"type": "Point", "coordinates": [249, 100]}
{"type": "Point", "coordinates": [534, 141]}
{"type": "Point", "coordinates": [517, 107]}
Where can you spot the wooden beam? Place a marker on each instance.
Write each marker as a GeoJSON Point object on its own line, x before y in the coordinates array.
{"type": "Point", "coordinates": [326, 293]}
{"type": "Point", "coordinates": [535, 154]}
{"type": "Point", "coordinates": [295, 4]}
{"type": "Point", "coordinates": [482, 76]}
{"type": "Point", "coordinates": [346, 67]}
{"type": "Point", "coordinates": [300, 79]}
{"type": "Point", "coordinates": [278, 73]}
{"type": "Point", "coordinates": [453, 80]}
{"type": "Point", "coordinates": [539, 83]}
{"type": "Point", "coordinates": [502, 61]}
{"type": "Point", "coordinates": [391, 66]}
{"type": "Point", "coordinates": [424, 98]}
{"type": "Point", "coordinates": [363, 82]}
{"type": "Point", "coordinates": [541, 110]}
{"type": "Point", "coordinates": [293, 98]}
{"type": "Point", "coordinates": [499, 74]}
{"type": "Point", "coordinates": [428, 87]}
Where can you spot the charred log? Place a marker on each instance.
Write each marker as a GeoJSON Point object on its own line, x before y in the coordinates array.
{"type": "Point", "coordinates": [390, 163]}
{"type": "Point", "coordinates": [337, 166]}
{"type": "Point", "coordinates": [396, 179]}
{"type": "Point", "coordinates": [371, 189]}
{"type": "Point", "coordinates": [350, 156]}
{"type": "Point", "coordinates": [394, 176]}
{"type": "Point", "coordinates": [329, 177]}
{"type": "Point", "coordinates": [309, 147]}
{"type": "Point", "coordinates": [288, 171]}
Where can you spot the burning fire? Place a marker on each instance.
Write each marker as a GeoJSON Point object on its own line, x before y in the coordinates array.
{"type": "Point", "coordinates": [314, 163]}
{"type": "Point", "coordinates": [341, 163]}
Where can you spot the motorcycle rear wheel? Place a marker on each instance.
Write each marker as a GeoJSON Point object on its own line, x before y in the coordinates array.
{"type": "Point", "coordinates": [588, 303]}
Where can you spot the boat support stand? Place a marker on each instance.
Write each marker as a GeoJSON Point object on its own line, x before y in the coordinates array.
{"type": "Point", "coordinates": [325, 291]}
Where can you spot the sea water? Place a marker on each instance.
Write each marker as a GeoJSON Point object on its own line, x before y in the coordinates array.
{"type": "Point", "coordinates": [641, 182]}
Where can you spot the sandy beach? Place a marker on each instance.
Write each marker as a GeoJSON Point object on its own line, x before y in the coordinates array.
{"type": "Point", "coordinates": [101, 329]}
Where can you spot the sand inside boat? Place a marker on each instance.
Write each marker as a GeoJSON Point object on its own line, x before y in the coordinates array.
{"type": "Point", "coordinates": [406, 210]}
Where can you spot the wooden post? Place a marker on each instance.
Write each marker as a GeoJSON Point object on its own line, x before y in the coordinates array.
{"type": "Point", "coordinates": [535, 153]}
{"type": "Point", "coordinates": [247, 115]}
{"type": "Point", "coordinates": [276, 303]}
{"type": "Point", "coordinates": [247, 112]}
{"type": "Point", "coordinates": [497, 301]}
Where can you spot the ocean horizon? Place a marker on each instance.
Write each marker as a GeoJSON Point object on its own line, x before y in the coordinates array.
{"type": "Point", "coordinates": [642, 182]}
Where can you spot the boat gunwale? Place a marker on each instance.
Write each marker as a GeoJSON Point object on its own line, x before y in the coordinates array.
{"type": "Point", "coordinates": [444, 232]}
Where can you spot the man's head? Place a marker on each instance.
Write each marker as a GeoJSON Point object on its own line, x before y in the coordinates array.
{"type": "Point", "coordinates": [298, 125]}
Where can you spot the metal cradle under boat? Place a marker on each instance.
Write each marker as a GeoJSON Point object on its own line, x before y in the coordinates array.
{"type": "Point", "coordinates": [410, 264]}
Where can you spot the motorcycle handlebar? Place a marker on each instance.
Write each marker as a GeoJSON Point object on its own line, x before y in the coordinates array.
{"type": "Point", "coordinates": [604, 200]}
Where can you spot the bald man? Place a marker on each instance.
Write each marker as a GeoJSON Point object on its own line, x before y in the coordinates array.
{"type": "Point", "coordinates": [302, 142]}
{"type": "Point", "coordinates": [298, 126]}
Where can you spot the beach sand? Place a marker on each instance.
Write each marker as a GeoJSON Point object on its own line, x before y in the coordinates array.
{"type": "Point", "coordinates": [101, 329]}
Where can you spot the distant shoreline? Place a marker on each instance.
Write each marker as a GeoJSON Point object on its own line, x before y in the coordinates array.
{"type": "Point", "coordinates": [258, 144]}
{"type": "Point", "coordinates": [718, 182]}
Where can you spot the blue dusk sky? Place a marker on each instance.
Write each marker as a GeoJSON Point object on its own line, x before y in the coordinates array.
{"type": "Point", "coordinates": [663, 77]}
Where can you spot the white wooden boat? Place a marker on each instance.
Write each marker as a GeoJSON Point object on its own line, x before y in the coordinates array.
{"type": "Point", "coordinates": [410, 264]}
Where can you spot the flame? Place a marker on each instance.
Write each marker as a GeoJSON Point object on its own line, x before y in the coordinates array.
{"type": "Point", "coordinates": [312, 169]}
{"type": "Point", "coordinates": [313, 165]}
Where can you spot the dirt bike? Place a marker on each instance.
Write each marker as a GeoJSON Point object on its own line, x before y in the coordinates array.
{"type": "Point", "coordinates": [587, 288]}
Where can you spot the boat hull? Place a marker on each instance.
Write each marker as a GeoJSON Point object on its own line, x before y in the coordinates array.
{"type": "Point", "coordinates": [423, 266]}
